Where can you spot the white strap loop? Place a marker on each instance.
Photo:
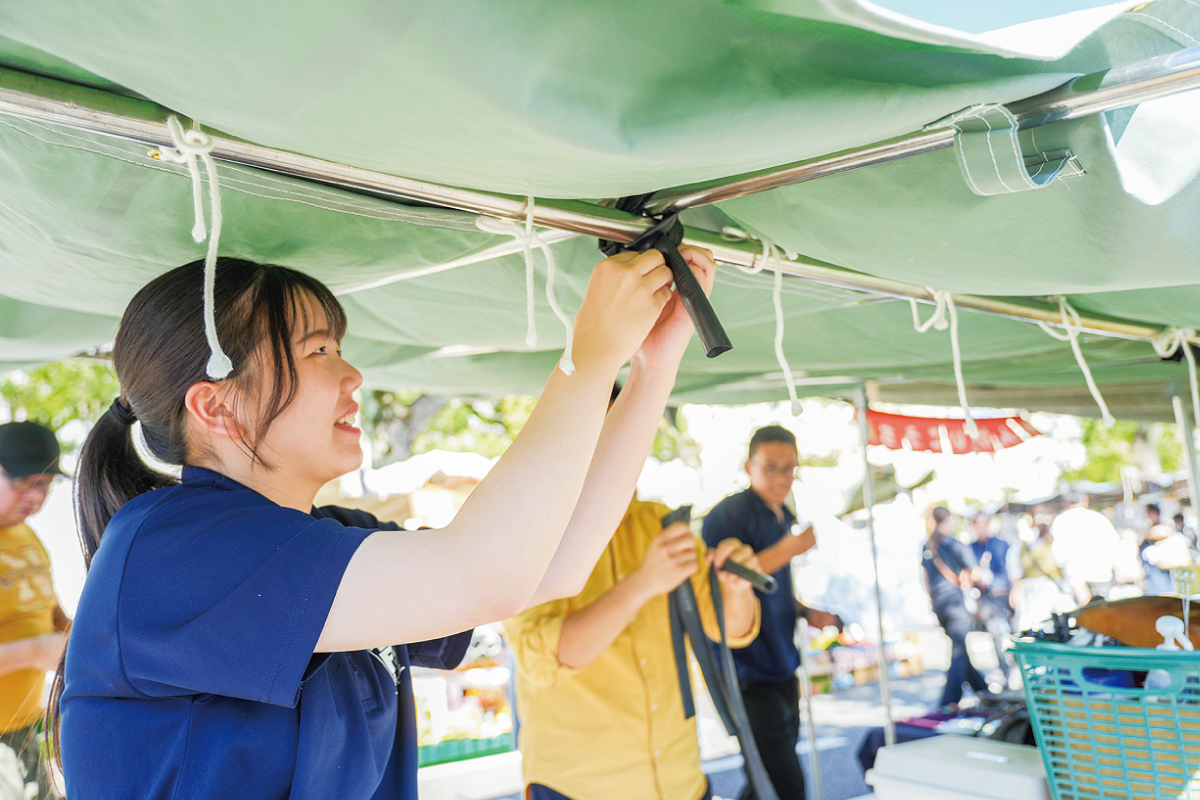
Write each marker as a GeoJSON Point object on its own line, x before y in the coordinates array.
{"type": "Point", "coordinates": [190, 145]}
{"type": "Point", "coordinates": [528, 238]}
{"type": "Point", "coordinates": [760, 261]}
{"type": "Point", "coordinates": [1170, 343]}
{"type": "Point", "coordinates": [1072, 326]}
{"type": "Point", "coordinates": [777, 299]}
{"type": "Point", "coordinates": [945, 316]}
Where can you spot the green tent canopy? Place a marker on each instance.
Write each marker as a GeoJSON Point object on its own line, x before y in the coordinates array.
{"type": "Point", "coordinates": [570, 102]}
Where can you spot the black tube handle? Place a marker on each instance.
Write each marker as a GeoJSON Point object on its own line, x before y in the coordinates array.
{"type": "Point", "coordinates": [761, 581]}
{"type": "Point", "coordinates": [708, 328]}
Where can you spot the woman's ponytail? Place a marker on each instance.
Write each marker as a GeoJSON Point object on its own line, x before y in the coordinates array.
{"type": "Point", "coordinates": [110, 474]}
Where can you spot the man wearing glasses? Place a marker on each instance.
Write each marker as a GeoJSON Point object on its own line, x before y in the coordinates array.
{"type": "Point", "coordinates": [767, 668]}
{"type": "Point", "coordinates": [32, 625]}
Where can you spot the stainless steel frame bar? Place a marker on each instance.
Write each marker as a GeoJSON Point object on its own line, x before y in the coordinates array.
{"type": "Point", "coordinates": [1080, 97]}
{"type": "Point", "coordinates": [885, 678]}
{"type": "Point", "coordinates": [55, 102]}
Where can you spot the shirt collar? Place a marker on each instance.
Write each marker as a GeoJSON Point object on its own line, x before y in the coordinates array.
{"type": "Point", "coordinates": [758, 502]}
{"type": "Point", "coordinates": [198, 476]}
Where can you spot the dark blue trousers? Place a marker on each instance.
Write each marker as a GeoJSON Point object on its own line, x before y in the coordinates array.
{"type": "Point", "coordinates": [954, 619]}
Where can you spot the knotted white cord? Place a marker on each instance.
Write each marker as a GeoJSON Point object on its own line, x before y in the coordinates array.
{"type": "Point", "coordinates": [768, 257]}
{"type": "Point", "coordinates": [1072, 325]}
{"type": "Point", "coordinates": [1168, 345]}
{"type": "Point", "coordinates": [760, 261]}
{"type": "Point", "coordinates": [528, 238]}
{"type": "Point", "coordinates": [945, 315]}
{"type": "Point", "coordinates": [531, 337]}
{"type": "Point", "coordinates": [190, 145]}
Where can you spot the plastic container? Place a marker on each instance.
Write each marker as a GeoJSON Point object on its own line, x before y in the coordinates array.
{"type": "Point", "coordinates": [1103, 741]}
{"type": "Point", "coordinates": [958, 768]}
{"type": "Point", "coordinates": [461, 749]}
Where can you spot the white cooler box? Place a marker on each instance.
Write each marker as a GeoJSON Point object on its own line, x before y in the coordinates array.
{"type": "Point", "coordinates": [958, 768]}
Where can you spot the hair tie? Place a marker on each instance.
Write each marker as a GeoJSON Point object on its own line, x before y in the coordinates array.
{"type": "Point", "coordinates": [121, 412]}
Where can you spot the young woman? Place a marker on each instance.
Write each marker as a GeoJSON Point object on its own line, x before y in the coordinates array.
{"type": "Point", "coordinates": [223, 644]}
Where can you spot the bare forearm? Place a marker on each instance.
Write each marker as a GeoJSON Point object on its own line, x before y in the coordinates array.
{"type": "Point", "coordinates": [623, 445]}
{"type": "Point", "coordinates": [588, 632]}
{"type": "Point", "coordinates": [740, 609]}
{"type": "Point", "coordinates": [509, 529]}
{"type": "Point", "coordinates": [780, 554]}
{"type": "Point", "coordinates": [38, 652]}
{"type": "Point", "coordinates": [519, 512]}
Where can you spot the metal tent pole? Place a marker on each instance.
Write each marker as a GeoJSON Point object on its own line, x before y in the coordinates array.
{"type": "Point", "coordinates": [1187, 434]}
{"type": "Point", "coordinates": [885, 678]}
{"type": "Point", "coordinates": [810, 722]}
{"type": "Point", "coordinates": [1080, 97]}
{"type": "Point", "coordinates": [46, 100]}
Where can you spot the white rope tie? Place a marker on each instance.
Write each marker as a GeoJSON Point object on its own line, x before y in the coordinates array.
{"type": "Point", "coordinates": [528, 238]}
{"type": "Point", "coordinates": [531, 337]}
{"type": "Point", "coordinates": [190, 145]}
{"type": "Point", "coordinates": [768, 256]}
{"type": "Point", "coordinates": [1168, 345]}
{"type": "Point", "coordinates": [1072, 325]}
{"type": "Point", "coordinates": [760, 261]}
{"type": "Point", "coordinates": [945, 315]}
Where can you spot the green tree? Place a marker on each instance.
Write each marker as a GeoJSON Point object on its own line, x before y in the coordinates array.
{"type": "Point", "coordinates": [60, 392]}
{"type": "Point", "coordinates": [1126, 444]}
{"type": "Point", "coordinates": [486, 427]}
{"type": "Point", "coordinates": [672, 441]}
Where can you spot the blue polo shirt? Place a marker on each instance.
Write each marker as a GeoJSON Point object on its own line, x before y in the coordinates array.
{"type": "Point", "coordinates": [190, 671]}
{"type": "Point", "coordinates": [772, 656]}
{"type": "Point", "coordinates": [957, 557]}
{"type": "Point", "coordinates": [996, 550]}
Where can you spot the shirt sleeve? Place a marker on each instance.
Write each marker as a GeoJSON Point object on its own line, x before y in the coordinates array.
{"type": "Point", "coordinates": [708, 612]}
{"type": "Point", "coordinates": [443, 653]}
{"type": "Point", "coordinates": [534, 635]}
{"type": "Point", "coordinates": [233, 607]}
{"type": "Point", "coordinates": [964, 553]}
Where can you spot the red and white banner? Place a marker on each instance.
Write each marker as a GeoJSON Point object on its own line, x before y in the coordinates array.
{"type": "Point", "coordinates": [936, 435]}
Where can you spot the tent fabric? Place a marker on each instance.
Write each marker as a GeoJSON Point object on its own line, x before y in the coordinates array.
{"type": "Point", "coordinates": [583, 101]}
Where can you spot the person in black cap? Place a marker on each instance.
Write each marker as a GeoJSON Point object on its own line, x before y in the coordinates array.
{"type": "Point", "coordinates": [32, 624]}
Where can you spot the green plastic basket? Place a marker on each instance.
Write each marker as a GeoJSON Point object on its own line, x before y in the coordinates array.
{"type": "Point", "coordinates": [1101, 739]}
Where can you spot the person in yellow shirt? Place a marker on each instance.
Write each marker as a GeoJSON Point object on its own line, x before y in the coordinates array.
{"type": "Point", "coordinates": [32, 624]}
{"type": "Point", "coordinates": [598, 695]}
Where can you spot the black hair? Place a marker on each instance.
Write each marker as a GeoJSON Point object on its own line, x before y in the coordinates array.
{"type": "Point", "coordinates": [161, 351]}
{"type": "Point", "coordinates": [940, 514]}
{"type": "Point", "coordinates": [769, 434]}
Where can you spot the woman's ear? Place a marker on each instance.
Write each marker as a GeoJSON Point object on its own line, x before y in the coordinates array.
{"type": "Point", "coordinates": [211, 409]}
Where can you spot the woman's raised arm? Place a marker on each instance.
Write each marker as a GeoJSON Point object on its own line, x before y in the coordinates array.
{"type": "Point", "coordinates": [486, 565]}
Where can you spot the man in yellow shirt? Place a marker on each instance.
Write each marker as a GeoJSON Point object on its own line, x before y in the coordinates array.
{"type": "Point", "coordinates": [597, 690]}
{"type": "Point", "coordinates": [32, 624]}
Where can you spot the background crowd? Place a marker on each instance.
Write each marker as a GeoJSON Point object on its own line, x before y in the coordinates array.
{"type": "Point", "coordinates": [1059, 555]}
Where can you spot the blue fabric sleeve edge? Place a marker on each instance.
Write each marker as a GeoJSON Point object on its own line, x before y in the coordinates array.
{"type": "Point", "coordinates": [283, 687]}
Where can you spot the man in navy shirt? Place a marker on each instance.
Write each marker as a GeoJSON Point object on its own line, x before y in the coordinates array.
{"type": "Point", "coordinates": [996, 611]}
{"type": "Point", "coordinates": [766, 668]}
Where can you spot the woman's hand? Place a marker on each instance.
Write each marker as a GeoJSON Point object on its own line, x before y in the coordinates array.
{"type": "Point", "coordinates": [625, 297]}
{"type": "Point", "coordinates": [667, 340]}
